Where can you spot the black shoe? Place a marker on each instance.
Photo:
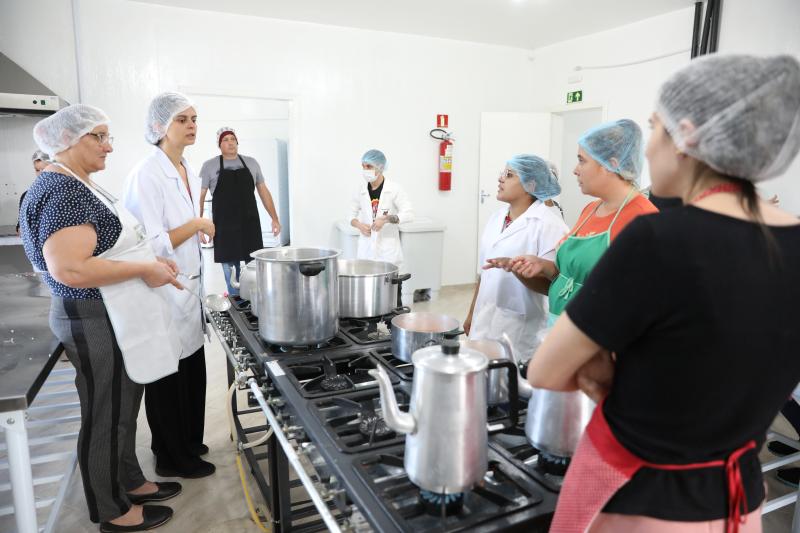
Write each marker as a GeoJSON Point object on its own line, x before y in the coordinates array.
{"type": "Point", "coordinates": [789, 476]}
{"type": "Point", "coordinates": [166, 490]}
{"type": "Point", "coordinates": [199, 450]}
{"type": "Point", "coordinates": [152, 517]}
{"type": "Point", "coordinates": [780, 449]}
{"type": "Point", "coordinates": [202, 469]}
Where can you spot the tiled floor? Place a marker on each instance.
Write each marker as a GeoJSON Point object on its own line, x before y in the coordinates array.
{"type": "Point", "coordinates": [216, 503]}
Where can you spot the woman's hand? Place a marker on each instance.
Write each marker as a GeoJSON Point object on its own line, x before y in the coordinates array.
{"type": "Point", "coordinates": [365, 230]}
{"type": "Point", "coordinates": [597, 375]}
{"type": "Point", "coordinates": [160, 273]}
{"type": "Point", "coordinates": [170, 263]}
{"type": "Point", "coordinates": [498, 262]}
{"type": "Point", "coordinates": [276, 228]}
{"type": "Point", "coordinates": [530, 266]}
{"type": "Point", "coordinates": [205, 227]}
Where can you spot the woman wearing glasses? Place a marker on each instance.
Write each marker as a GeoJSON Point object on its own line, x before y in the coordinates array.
{"type": "Point", "coordinates": [502, 304]}
{"type": "Point", "coordinates": [101, 273]}
{"type": "Point", "coordinates": [163, 193]}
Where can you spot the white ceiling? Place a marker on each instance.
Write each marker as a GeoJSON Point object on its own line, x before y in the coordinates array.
{"type": "Point", "coordinates": [519, 23]}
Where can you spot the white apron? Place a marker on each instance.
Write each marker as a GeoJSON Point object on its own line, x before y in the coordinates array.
{"type": "Point", "coordinates": [139, 315]}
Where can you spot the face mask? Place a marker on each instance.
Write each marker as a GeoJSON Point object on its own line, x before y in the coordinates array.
{"type": "Point", "coordinates": [369, 175]}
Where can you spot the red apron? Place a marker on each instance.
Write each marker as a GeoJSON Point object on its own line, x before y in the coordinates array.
{"type": "Point", "coordinates": [602, 465]}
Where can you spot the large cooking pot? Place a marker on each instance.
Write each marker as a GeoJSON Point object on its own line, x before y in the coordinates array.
{"type": "Point", "coordinates": [412, 331]}
{"type": "Point", "coordinates": [297, 295]}
{"type": "Point", "coordinates": [248, 286]}
{"type": "Point", "coordinates": [368, 288]}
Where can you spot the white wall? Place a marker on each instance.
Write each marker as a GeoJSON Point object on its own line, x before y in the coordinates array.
{"type": "Point", "coordinates": [625, 92]}
{"type": "Point", "coordinates": [353, 90]}
{"type": "Point", "coordinates": [764, 28]}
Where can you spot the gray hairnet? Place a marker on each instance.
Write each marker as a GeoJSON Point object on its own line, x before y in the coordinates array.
{"type": "Point", "coordinates": [162, 110]}
{"type": "Point", "coordinates": [745, 113]}
{"type": "Point", "coordinates": [536, 175]}
{"type": "Point", "coordinates": [374, 158]}
{"type": "Point", "coordinates": [620, 140]}
{"type": "Point", "coordinates": [65, 128]}
{"type": "Point", "coordinates": [38, 155]}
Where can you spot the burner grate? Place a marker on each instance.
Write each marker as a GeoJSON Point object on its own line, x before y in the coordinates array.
{"type": "Point", "coordinates": [504, 490]}
{"type": "Point", "coordinates": [326, 374]}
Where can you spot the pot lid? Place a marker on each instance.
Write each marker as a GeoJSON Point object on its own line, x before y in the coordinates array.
{"type": "Point", "coordinates": [450, 358]}
{"type": "Point", "coordinates": [365, 268]}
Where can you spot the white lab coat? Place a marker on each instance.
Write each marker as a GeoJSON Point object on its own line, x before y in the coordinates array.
{"type": "Point", "coordinates": [385, 244]}
{"type": "Point", "coordinates": [504, 304]}
{"type": "Point", "coordinates": [154, 193]}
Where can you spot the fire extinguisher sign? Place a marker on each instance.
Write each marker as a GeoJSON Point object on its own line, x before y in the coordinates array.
{"type": "Point", "coordinates": [441, 121]}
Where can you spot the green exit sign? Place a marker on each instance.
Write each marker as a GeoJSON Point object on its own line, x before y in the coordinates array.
{"type": "Point", "coordinates": [574, 96]}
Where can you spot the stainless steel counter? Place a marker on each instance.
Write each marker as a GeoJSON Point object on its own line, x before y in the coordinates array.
{"type": "Point", "coordinates": [28, 349]}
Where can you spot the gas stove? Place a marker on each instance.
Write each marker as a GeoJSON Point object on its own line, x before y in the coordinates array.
{"type": "Point", "coordinates": [498, 502]}
{"type": "Point", "coordinates": [324, 409]}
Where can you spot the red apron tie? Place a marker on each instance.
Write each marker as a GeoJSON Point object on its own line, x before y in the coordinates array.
{"type": "Point", "coordinates": [602, 465]}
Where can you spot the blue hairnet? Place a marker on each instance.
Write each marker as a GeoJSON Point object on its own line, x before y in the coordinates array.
{"type": "Point", "coordinates": [374, 158]}
{"type": "Point", "coordinates": [538, 177]}
{"type": "Point", "coordinates": [620, 140]}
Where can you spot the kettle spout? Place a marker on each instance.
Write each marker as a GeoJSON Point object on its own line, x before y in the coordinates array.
{"type": "Point", "coordinates": [525, 389]}
{"type": "Point", "coordinates": [395, 418]}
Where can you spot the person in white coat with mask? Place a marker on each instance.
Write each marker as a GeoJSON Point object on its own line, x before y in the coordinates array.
{"type": "Point", "coordinates": [502, 304]}
{"type": "Point", "coordinates": [163, 192]}
{"type": "Point", "coordinates": [377, 210]}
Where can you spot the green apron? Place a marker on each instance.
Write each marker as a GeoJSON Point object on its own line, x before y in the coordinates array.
{"type": "Point", "coordinates": [575, 259]}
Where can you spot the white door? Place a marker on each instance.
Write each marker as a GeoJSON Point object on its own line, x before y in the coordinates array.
{"type": "Point", "coordinates": [504, 135]}
{"type": "Point", "coordinates": [262, 128]}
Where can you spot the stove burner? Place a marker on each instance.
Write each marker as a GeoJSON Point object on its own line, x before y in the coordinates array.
{"type": "Point", "coordinates": [553, 464]}
{"type": "Point", "coordinates": [335, 383]}
{"type": "Point", "coordinates": [436, 504]}
{"type": "Point", "coordinates": [374, 426]}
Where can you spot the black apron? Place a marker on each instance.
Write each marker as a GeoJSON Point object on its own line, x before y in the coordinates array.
{"type": "Point", "coordinates": [233, 206]}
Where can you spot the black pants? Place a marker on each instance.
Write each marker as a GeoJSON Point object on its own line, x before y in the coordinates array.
{"type": "Point", "coordinates": [176, 408]}
{"type": "Point", "coordinates": [109, 406]}
{"type": "Point", "coordinates": [791, 410]}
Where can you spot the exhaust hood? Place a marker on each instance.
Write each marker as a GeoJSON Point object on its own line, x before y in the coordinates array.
{"type": "Point", "coordinates": [22, 94]}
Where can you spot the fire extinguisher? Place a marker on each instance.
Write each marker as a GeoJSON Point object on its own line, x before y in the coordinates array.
{"type": "Point", "coordinates": [445, 157]}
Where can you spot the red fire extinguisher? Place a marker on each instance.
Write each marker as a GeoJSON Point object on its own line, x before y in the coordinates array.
{"type": "Point", "coordinates": [445, 157]}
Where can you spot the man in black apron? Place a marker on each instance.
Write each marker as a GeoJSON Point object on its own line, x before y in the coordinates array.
{"type": "Point", "coordinates": [232, 179]}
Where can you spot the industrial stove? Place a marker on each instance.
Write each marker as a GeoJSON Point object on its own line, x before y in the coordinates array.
{"type": "Point", "coordinates": [330, 439]}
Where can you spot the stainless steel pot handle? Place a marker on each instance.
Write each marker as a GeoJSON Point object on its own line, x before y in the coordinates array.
{"type": "Point", "coordinates": [311, 269]}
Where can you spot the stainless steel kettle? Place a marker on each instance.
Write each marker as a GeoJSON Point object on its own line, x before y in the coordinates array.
{"type": "Point", "coordinates": [555, 419]}
{"type": "Point", "coordinates": [446, 433]}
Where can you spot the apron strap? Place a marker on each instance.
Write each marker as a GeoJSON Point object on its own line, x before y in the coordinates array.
{"type": "Point", "coordinates": [624, 203]}
{"type": "Point", "coordinates": [585, 220]}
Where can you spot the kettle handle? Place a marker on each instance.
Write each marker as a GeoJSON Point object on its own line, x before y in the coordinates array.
{"type": "Point", "coordinates": [513, 388]}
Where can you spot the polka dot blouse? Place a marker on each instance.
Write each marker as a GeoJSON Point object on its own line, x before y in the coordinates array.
{"type": "Point", "coordinates": [56, 201]}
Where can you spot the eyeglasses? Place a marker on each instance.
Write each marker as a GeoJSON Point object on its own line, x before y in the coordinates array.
{"type": "Point", "coordinates": [506, 174]}
{"type": "Point", "coordinates": [103, 138]}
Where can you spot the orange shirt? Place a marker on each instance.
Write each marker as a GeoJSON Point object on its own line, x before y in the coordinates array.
{"type": "Point", "coordinates": [639, 205]}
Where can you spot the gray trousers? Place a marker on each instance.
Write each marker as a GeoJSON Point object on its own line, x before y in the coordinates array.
{"type": "Point", "coordinates": [109, 406]}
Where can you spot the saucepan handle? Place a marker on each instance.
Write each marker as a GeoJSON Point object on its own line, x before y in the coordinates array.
{"type": "Point", "coordinates": [400, 279]}
{"type": "Point", "coordinates": [311, 269]}
{"type": "Point", "coordinates": [513, 386]}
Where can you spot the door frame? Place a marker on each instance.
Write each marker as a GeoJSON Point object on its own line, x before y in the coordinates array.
{"type": "Point", "coordinates": [293, 150]}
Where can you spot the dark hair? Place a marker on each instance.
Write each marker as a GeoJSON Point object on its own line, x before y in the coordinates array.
{"type": "Point", "coordinates": [749, 200]}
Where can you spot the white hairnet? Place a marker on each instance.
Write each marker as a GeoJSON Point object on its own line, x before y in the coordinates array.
{"type": "Point", "coordinates": [38, 155]}
{"type": "Point", "coordinates": [620, 141]}
{"type": "Point", "coordinates": [162, 110]}
{"type": "Point", "coordinates": [536, 176]}
{"type": "Point", "coordinates": [744, 113]}
{"type": "Point", "coordinates": [65, 128]}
